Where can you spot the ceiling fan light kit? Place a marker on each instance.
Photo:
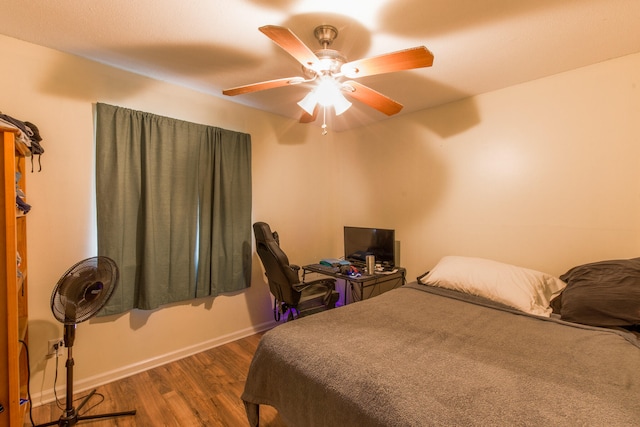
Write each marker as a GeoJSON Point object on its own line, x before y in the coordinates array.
{"type": "Point", "coordinates": [327, 67]}
{"type": "Point", "coordinates": [309, 102]}
{"type": "Point", "coordinates": [340, 104]}
{"type": "Point", "coordinates": [327, 94]}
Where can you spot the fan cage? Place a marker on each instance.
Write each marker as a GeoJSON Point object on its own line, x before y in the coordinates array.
{"type": "Point", "coordinates": [84, 289]}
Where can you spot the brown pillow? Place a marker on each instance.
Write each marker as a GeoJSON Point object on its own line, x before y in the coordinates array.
{"type": "Point", "coordinates": [605, 293]}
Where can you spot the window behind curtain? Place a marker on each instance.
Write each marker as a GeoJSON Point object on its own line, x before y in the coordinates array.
{"type": "Point", "coordinates": [173, 207]}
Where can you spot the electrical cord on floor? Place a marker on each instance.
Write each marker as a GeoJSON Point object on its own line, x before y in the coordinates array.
{"type": "Point", "coordinates": [55, 382]}
{"type": "Point", "coordinates": [58, 403]}
{"type": "Point", "coordinates": [29, 402]}
{"type": "Point", "coordinates": [100, 395]}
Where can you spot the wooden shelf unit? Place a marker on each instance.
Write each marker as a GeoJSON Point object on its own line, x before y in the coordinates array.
{"type": "Point", "coordinates": [14, 311]}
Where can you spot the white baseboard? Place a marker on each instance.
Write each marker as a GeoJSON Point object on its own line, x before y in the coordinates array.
{"type": "Point", "coordinates": [47, 396]}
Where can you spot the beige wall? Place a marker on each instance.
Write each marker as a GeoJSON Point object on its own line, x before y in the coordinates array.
{"type": "Point", "coordinates": [543, 174]}
{"type": "Point", "coordinates": [58, 92]}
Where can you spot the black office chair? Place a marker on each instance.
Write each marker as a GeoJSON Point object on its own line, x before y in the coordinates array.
{"type": "Point", "coordinates": [298, 298]}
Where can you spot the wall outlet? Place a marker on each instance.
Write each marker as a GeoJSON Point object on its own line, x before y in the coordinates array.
{"type": "Point", "coordinates": [55, 347]}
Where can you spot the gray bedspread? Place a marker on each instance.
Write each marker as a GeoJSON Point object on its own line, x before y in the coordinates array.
{"type": "Point", "coordinates": [411, 357]}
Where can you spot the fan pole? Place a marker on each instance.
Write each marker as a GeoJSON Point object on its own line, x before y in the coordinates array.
{"type": "Point", "coordinates": [79, 294]}
{"type": "Point", "coordinates": [70, 414]}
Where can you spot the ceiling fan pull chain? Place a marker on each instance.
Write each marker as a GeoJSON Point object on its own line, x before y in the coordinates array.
{"type": "Point", "coordinates": [324, 120]}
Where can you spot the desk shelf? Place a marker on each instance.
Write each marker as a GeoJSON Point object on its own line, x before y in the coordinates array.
{"type": "Point", "coordinates": [356, 286]}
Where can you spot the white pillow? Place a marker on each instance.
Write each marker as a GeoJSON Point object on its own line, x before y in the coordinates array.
{"type": "Point", "coordinates": [527, 290]}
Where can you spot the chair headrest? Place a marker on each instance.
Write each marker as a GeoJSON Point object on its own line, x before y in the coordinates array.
{"type": "Point", "coordinates": [263, 232]}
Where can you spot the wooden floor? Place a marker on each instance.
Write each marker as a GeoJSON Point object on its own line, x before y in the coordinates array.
{"type": "Point", "coordinates": [201, 390]}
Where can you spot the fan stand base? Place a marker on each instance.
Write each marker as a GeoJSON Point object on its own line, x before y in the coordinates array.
{"type": "Point", "coordinates": [71, 418]}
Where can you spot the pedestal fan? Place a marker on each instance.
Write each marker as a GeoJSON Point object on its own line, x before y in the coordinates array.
{"type": "Point", "coordinates": [78, 296]}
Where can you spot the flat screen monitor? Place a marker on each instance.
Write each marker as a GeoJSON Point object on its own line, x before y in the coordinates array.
{"type": "Point", "coordinates": [361, 241]}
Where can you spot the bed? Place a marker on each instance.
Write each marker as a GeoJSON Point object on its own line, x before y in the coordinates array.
{"type": "Point", "coordinates": [445, 351]}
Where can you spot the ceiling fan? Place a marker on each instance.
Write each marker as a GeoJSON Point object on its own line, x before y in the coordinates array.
{"type": "Point", "coordinates": [334, 73]}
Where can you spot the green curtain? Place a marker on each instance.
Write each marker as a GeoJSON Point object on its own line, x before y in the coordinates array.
{"type": "Point", "coordinates": [173, 205]}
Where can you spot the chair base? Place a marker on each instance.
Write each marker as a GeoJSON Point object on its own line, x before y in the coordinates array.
{"type": "Point", "coordinates": [308, 307]}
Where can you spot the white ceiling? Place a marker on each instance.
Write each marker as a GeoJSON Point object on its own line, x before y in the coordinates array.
{"type": "Point", "coordinates": [210, 45]}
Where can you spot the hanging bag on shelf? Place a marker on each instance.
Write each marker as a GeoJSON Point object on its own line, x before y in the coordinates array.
{"type": "Point", "coordinates": [36, 147]}
{"type": "Point", "coordinates": [28, 135]}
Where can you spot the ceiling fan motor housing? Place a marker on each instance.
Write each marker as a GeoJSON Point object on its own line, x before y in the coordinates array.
{"type": "Point", "coordinates": [330, 62]}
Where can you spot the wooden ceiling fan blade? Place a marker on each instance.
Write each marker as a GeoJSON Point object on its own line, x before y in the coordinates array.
{"type": "Point", "coordinates": [269, 84]}
{"type": "Point", "coordinates": [407, 59]}
{"type": "Point", "coordinates": [372, 98]}
{"type": "Point", "coordinates": [287, 40]}
{"type": "Point", "coordinates": [308, 118]}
